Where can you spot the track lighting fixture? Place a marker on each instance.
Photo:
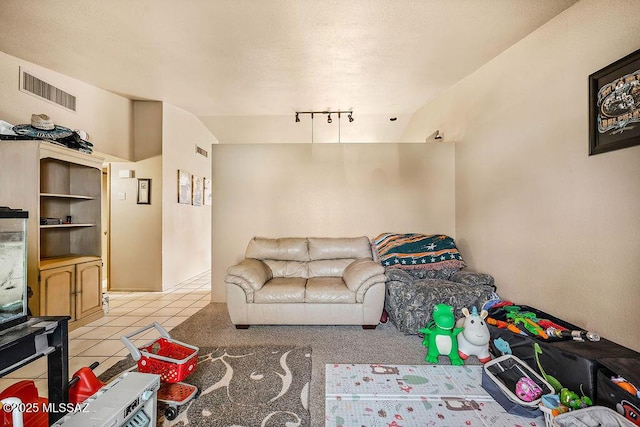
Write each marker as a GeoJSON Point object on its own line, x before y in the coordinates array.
{"type": "Point", "coordinates": [349, 114]}
{"type": "Point", "coordinates": [435, 137]}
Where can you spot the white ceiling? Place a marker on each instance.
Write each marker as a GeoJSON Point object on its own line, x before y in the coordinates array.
{"type": "Point", "coordinates": [245, 66]}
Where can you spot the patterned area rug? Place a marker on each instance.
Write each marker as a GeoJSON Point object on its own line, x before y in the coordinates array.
{"type": "Point", "coordinates": [242, 386]}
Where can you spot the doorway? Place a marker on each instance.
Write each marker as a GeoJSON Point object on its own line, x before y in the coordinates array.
{"type": "Point", "coordinates": [106, 222]}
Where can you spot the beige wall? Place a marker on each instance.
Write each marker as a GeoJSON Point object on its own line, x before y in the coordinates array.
{"type": "Point", "coordinates": [334, 190]}
{"type": "Point", "coordinates": [104, 115]}
{"type": "Point", "coordinates": [136, 230]}
{"type": "Point", "coordinates": [147, 129]}
{"type": "Point", "coordinates": [557, 228]}
{"type": "Point", "coordinates": [154, 247]}
{"type": "Point", "coordinates": [186, 229]}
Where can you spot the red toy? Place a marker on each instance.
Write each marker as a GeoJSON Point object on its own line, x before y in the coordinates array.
{"type": "Point", "coordinates": [84, 384]}
{"type": "Point", "coordinates": [27, 392]}
{"type": "Point", "coordinates": [172, 360]}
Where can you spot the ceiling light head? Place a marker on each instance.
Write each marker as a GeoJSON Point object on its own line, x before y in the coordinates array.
{"type": "Point", "coordinates": [297, 118]}
{"type": "Point", "coordinates": [350, 117]}
{"type": "Point", "coordinates": [438, 136]}
{"type": "Point", "coordinates": [393, 119]}
{"type": "Point", "coordinates": [329, 118]}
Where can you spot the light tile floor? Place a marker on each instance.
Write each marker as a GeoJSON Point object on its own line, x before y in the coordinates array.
{"type": "Point", "coordinates": [99, 341]}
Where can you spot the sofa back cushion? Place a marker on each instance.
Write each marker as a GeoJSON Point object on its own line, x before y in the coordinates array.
{"type": "Point", "coordinates": [285, 249]}
{"type": "Point", "coordinates": [308, 257]}
{"type": "Point", "coordinates": [328, 267]}
{"type": "Point", "coordinates": [339, 247]}
{"type": "Point", "coordinates": [288, 268]}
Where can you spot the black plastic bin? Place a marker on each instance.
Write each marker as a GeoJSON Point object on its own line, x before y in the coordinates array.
{"type": "Point", "coordinates": [615, 397]}
{"type": "Point", "coordinates": [575, 364]}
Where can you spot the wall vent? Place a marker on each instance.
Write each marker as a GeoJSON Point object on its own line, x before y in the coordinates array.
{"type": "Point", "coordinates": [43, 90]}
{"type": "Point", "coordinates": [202, 151]}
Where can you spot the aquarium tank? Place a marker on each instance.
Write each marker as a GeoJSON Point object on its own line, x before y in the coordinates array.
{"type": "Point", "coordinates": [13, 267]}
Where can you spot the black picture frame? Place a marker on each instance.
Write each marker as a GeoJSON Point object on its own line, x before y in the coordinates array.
{"type": "Point", "coordinates": [144, 191]}
{"type": "Point", "coordinates": [614, 105]}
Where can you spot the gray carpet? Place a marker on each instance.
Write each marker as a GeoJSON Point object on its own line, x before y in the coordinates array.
{"type": "Point", "coordinates": [242, 386]}
{"type": "Point", "coordinates": [212, 327]}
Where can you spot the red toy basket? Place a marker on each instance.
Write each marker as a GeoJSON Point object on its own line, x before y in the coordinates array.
{"type": "Point", "coordinates": [171, 359]}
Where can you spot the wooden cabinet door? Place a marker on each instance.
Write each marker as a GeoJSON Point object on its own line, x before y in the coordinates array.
{"type": "Point", "coordinates": [88, 288]}
{"type": "Point", "coordinates": [57, 291]}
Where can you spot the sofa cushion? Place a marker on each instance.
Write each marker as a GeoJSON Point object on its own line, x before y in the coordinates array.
{"type": "Point", "coordinates": [281, 289]}
{"type": "Point", "coordinates": [285, 249]}
{"type": "Point", "coordinates": [288, 268]}
{"type": "Point", "coordinates": [328, 267]}
{"type": "Point", "coordinates": [339, 247]}
{"type": "Point", "coordinates": [328, 290]}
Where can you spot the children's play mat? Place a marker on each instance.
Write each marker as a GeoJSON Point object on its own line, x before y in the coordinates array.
{"type": "Point", "coordinates": [407, 396]}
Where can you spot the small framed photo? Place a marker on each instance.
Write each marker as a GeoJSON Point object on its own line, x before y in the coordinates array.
{"type": "Point", "coordinates": [198, 190]}
{"type": "Point", "coordinates": [184, 187]}
{"type": "Point", "coordinates": [614, 105]}
{"type": "Point", "coordinates": [208, 199]}
{"type": "Point", "coordinates": [144, 191]}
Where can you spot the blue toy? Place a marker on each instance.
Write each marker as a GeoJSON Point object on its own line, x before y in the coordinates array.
{"type": "Point", "coordinates": [502, 346]}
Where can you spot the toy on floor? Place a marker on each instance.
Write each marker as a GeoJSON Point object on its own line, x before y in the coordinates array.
{"type": "Point", "coordinates": [573, 401]}
{"type": "Point", "coordinates": [475, 337]}
{"type": "Point", "coordinates": [23, 394]}
{"type": "Point", "coordinates": [172, 360]}
{"type": "Point", "coordinates": [550, 379]}
{"type": "Point", "coordinates": [440, 335]}
{"type": "Point", "coordinates": [629, 411]}
{"type": "Point", "coordinates": [84, 384]}
{"type": "Point", "coordinates": [568, 399]}
{"type": "Point", "coordinates": [502, 347]}
{"type": "Point", "coordinates": [528, 390]}
{"type": "Point", "coordinates": [505, 325]}
{"type": "Point", "coordinates": [626, 385]}
{"type": "Point", "coordinates": [527, 319]}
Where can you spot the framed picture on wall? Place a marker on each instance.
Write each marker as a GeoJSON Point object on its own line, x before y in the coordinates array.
{"type": "Point", "coordinates": [208, 197]}
{"type": "Point", "coordinates": [184, 187]}
{"type": "Point", "coordinates": [614, 105]}
{"type": "Point", "coordinates": [198, 190]}
{"type": "Point", "coordinates": [144, 191]}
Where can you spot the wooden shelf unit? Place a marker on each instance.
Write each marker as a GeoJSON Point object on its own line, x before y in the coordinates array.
{"type": "Point", "coordinates": [64, 265]}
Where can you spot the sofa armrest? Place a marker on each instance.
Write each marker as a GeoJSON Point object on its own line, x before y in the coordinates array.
{"type": "Point", "coordinates": [249, 272]}
{"type": "Point", "coordinates": [361, 271]}
{"type": "Point", "coordinates": [472, 278]}
{"type": "Point", "coordinates": [238, 282]}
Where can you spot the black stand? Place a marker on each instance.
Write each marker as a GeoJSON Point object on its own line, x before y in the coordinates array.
{"type": "Point", "coordinates": [37, 337]}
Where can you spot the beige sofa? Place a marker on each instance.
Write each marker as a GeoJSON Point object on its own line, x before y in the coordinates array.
{"type": "Point", "coordinates": [307, 281]}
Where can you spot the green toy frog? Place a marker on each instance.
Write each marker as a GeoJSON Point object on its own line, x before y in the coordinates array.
{"type": "Point", "coordinates": [440, 335]}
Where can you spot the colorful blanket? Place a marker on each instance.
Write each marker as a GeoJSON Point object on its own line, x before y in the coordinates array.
{"type": "Point", "coordinates": [408, 251]}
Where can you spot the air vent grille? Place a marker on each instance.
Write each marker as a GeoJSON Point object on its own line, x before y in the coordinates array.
{"type": "Point", "coordinates": [202, 151]}
{"type": "Point", "coordinates": [35, 86]}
